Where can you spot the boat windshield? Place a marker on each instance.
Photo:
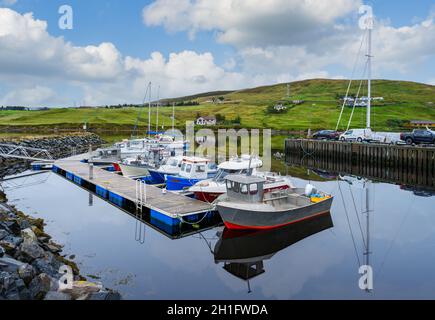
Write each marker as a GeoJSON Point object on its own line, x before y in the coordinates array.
{"type": "Point", "coordinates": [222, 173]}
{"type": "Point", "coordinates": [172, 162]}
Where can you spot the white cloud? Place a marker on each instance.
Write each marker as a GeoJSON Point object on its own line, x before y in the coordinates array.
{"type": "Point", "coordinates": [293, 39]}
{"type": "Point", "coordinates": [275, 41]}
{"type": "Point", "coordinates": [251, 22]}
{"type": "Point", "coordinates": [105, 76]}
{"type": "Point", "coordinates": [29, 96]}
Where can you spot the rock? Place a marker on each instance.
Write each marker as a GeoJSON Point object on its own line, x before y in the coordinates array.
{"type": "Point", "coordinates": [57, 295]}
{"type": "Point", "coordinates": [6, 281]}
{"type": "Point", "coordinates": [13, 226]}
{"type": "Point", "coordinates": [52, 247]}
{"type": "Point", "coordinates": [10, 265]}
{"type": "Point", "coordinates": [29, 251]}
{"type": "Point", "coordinates": [24, 224]}
{"type": "Point", "coordinates": [47, 264]}
{"type": "Point", "coordinates": [3, 234]}
{"type": "Point", "coordinates": [41, 285]}
{"type": "Point", "coordinates": [2, 252]}
{"type": "Point", "coordinates": [23, 292]}
{"type": "Point", "coordinates": [28, 235]}
{"type": "Point", "coordinates": [26, 273]}
{"type": "Point", "coordinates": [10, 243]}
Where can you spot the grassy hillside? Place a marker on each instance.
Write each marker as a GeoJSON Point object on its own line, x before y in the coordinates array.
{"type": "Point", "coordinates": [403, 101]}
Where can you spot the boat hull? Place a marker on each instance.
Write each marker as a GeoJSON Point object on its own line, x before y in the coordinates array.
{"type": "Point", "coordinates": [175, 183]}
{"type": "Point", "coordinates": [133, 171]}
{"type": "Point", "coordinates": [240, 219]}
{"type": "Point", "coordinates": [158, 177]}
{"type": "Point", "coordinates": [207, 196]}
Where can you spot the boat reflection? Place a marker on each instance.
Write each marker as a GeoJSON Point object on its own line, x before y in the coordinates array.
{"type": "Point", "coordinates": [243, 253]}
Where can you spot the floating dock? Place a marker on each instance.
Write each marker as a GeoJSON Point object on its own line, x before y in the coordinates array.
{"type": "Point", "coordinates": [168, 208]}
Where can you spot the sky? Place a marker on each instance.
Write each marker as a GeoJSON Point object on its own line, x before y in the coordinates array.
{"type": "Point", "coordinates": [115, 48]}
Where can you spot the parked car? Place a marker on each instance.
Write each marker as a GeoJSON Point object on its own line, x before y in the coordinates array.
{"type": "Point", "coordinates": [418, 136]}
{"type": "Point", "coordinates": [326, 135]}
{"type": "Point", "coordinates": [359, 135]}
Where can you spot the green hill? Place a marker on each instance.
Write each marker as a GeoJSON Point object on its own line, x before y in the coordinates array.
{"type": "Point", "coordinates": [403, 101]}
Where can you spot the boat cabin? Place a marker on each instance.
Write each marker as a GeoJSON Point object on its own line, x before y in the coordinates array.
{"type": "Point", "coordinates": [196, 168]}
{"type": "Point", "coordinates": [245, 188]}
{"type": "Point", "coordinates": [243, 165]}
{"type": "Point", "coordinates": [171, 163]}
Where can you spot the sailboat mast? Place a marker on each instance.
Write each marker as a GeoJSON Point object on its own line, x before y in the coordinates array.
{"type": "Point", "coordinates": [173, 117]}
{"type": "Point", "coordinates": [367, 253]}
{"type": "Point", "coordinates": [149, 112]}
{"type": "Point", "coordinates": [369, 89]}
{"type": "Point", "coordinates": [158, 104]}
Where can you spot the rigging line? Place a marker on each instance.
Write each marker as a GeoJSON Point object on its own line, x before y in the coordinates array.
{"type": "Point", "coordinates": [350, 228]}
{"type": "Point", "coordinates": [357, 96]}
{"type": "Point", "coordinates": [351, 79]}
{"type": "Point", "coordinates": [357, 217]}
{"type": "Point", "coordinates": [140, 112]}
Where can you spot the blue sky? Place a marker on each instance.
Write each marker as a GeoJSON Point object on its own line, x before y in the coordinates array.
{"type": "Point", "coordinates": [117, 47]}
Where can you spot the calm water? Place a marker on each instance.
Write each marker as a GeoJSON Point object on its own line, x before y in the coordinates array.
{"type": "Point", "coordinates": [323, 264]}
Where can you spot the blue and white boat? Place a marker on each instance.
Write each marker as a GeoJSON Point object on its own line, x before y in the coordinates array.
{"type": "Point", "coordinates": [170, 166]}
{"type": "Point", "coordinates": [192, 170]}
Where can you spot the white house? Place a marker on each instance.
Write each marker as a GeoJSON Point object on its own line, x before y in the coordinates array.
{"type": "Point", "coordinates": [280, 107]}
{"type": "Point", "coordinates": [206, 121]}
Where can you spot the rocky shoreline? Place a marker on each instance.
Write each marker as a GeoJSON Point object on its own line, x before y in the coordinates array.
{"type": "Point", "coordinates": [59, 146]}
{"type": "Point", "coordinates": [32, 266]}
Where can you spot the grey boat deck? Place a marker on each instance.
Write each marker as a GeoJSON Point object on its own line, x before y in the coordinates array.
{"type": "Point", "coordinates": [170, 204]}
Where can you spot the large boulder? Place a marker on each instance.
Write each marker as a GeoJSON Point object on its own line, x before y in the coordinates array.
{"type": "Point", "coordinates": [29, 251]}
{"type": "Point", "coordinates": [41, 285]}
{"type": "Point", "coordinates": [47, 264]}
{"type": "Point", "coordinates": [9, 264]}
{"type": "Point", "coordinates": [28, 235]}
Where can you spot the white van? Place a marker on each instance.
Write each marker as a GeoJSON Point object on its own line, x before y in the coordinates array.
{"type": "Point", "coordinates": [359, 135]}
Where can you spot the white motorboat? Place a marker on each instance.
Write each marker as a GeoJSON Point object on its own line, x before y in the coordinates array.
{"type": "Point", "coordinates": [193, 170]}
{"type": "Point", "coordinates": [246, 205]}
{"type": "Point", "coordinates": [170, 166]}
{"type": "Point", "coordinates": [209, 190]}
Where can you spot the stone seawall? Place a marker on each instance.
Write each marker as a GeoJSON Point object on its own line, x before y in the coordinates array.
{"type": "Point", "coordinates": [59, 147]}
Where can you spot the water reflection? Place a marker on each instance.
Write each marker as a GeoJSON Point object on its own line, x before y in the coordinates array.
{"type": "Point", "coordinates": [278, 265]}
{"type": "Point", "coordinates": [243, 253]}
